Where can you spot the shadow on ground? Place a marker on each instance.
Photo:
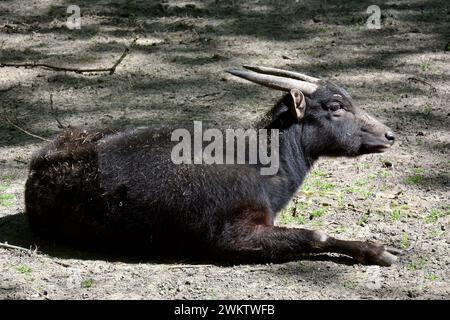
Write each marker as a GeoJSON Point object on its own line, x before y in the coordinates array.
{"type": "Point", "coordinates": [14, 230]}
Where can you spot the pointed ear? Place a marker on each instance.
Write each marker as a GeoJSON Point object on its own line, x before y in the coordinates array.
{"type": "Point", "coordinates": [298, 105]}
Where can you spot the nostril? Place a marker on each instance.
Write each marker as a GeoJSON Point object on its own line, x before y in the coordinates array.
{"type": "Point", "coordinates": [390, 136]}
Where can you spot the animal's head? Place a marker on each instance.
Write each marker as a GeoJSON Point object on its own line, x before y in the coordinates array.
{"type": "Point", "coordinates": [331, 123]}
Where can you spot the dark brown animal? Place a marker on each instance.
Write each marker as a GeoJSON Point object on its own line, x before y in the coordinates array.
{"type": "Point", "coordinates": [120, 189]}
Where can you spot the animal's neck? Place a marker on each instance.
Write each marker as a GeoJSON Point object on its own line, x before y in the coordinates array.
{"type": "Point", "coordinates": [294, 164]}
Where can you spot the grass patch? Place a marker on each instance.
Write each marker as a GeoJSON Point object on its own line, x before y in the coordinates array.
{"type": "Point", "coordinates": [318, 212]}
{"type": "Point", "coordinates": [359, 191]}
{"type": "Point", "coordinates": [425, 66]}
{"type": "Point", "coordinates": [317, 223]}
{"type": "Point", "coordinates": [396, 214]}
{"type": "Point", "coordinates": [85, 284]}
{"type": "Point", "coordinates": [363, 219]}
{"type": "Point", "coordinates": [405, 242]}
{"type": "Point", "coordinates": [430, 276]}
{"type": "Point", "coordinates": [287, 217]}
{"type": "Point", "coordinates": [324, 186]}
{"type": "Point", "coordinates": [5, 199]}
{"type": "Point", "coordinates": [417, 264]}
{"type": "Point", "coordinates": [306, 188]}
{"type": "Point", "coordinates": [319, 173]}
{"type": "Point", "coordinates": [397, 209]}
{"type": "Point", "coordinates": [24, 269]}
{"type": "Point", "coordinates": [350, 284]}
{"type": "Point", "coordinates": [414, 180]}
{"type": "Point", "coordinates": [435, 215]}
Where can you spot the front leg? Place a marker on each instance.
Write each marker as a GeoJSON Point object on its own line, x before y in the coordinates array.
{"type": "Point", "coordinates": [250, 241]}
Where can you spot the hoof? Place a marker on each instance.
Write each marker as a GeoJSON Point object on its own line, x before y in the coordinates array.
{"type": "Point", "coordinates": [386, 259]}
{"type": "Point", "coordinates": [380, 255]}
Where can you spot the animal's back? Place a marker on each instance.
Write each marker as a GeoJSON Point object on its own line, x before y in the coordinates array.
{"type": "Point", "coordinates": [111, 188]}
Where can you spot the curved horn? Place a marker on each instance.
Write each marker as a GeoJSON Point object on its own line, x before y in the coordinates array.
{"type": "Point", "coordinates": [275, 82]}
{"type": "Point", "coordinates": [284, 73]}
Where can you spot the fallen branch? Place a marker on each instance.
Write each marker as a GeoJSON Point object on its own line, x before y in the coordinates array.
{"type": "Point", "coordinates": [5, 245]}
{"type": "Point", "coordinates": [111, 69]}
{"type": "Point", "coordinates": [22, 129]}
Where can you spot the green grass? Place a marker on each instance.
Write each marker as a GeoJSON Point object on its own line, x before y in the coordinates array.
{"type": "Point", "coordinates": [396, 214]}
{"type": "Point", "coordinates": [436, 233]}
{"type": "Point", "coordinates": [435, 215]}
{"type": "Point", "coordinates": [427, 110]}
{"type": "Point", "coordinates": [318, 212]}
{"type": "Point", "coordinates": [286, 217]}
{"type": "Point", "coordinates": [87, 283]}
{"type": "Point", "coordinates": [5, 199]}
{"type": "Point", "coordinates": [405, 243]}
{"type": "Point", "coordinates": [361, 182]}
{"type": "Point", "coordinates": [425, 66]}
{"type": "Point", "coordinates": [414, 180]}
{"type": "Point", "coordinates": [324, 186]}
{"type": "Point", "coordinates": [306, 187]}
{"type": "Point", "coordinates": [317, 223]}
{"type": "Point", "coordinates": [359, 191]}
{"type": "Point", "coordinates": [363, 219]}
{"type": "Point", "coordinates": [431, 276]}
{"type": "Point", "coordinates": [350, 284]}
{"type": "Point", "coordinates": [24, 269]}
{"type": "Point", "coordinates": [397, 210]}
{"type": "Point", "coordinates": [417, 264]}
{"type": "Point", "coordinates": [339, 230]}
{"type": "Point", "coordinates": [319, 173]}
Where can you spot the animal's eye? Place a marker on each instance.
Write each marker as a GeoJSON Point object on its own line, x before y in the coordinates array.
{"type": "Point", "coordinates": [334, 106]}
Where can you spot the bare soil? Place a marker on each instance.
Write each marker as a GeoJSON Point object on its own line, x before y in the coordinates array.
{"type": "Point", "coordinates": [400, 73]}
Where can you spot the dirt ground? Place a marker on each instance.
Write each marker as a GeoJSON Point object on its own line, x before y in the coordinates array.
{"type": "Point", "coordinates": [400, 73]}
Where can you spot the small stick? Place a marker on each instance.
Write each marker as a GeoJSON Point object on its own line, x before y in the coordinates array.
{"type": "Point", "coordinates": [23, 130]}
{"type": "Point", "coordinates": [66, 265]}
{"type": "Point", "coordinates": [111, 70]}
{"type": "Point", "coordinates": [60, 125]}
{"type": "Point", "coordinates": [40, 293]}
{"type": "Point", "coordinates": [422, 81]}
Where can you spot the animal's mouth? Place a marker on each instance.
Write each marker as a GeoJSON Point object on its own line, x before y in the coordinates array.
{"type": "Point", "coordinates": [374, 148]}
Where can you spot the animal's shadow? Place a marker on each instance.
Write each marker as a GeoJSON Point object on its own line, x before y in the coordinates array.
{"type": "Point", "coordinates": [15, 230]}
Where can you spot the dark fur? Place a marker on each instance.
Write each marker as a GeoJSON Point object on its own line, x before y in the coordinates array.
{"type": "Point", "coordinates": [121, 190]}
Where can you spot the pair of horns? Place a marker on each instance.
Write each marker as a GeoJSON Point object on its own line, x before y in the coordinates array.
{"type": "Point", "coordinates": [278, 79]}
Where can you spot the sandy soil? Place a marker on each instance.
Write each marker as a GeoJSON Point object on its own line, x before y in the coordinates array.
{"type": "Point", "coordinates": [175, 72]}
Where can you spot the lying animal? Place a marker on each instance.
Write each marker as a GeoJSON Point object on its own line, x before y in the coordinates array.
{"type": "Point", "coordinates": [121, 189]}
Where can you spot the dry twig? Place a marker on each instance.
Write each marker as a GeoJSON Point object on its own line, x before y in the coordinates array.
{"type": "Point", "coordinates": [22, 129]}
{"type": "Point", "coordinates": [54, 112]}
{"type": "Point", "coordinates": [111, 69]}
